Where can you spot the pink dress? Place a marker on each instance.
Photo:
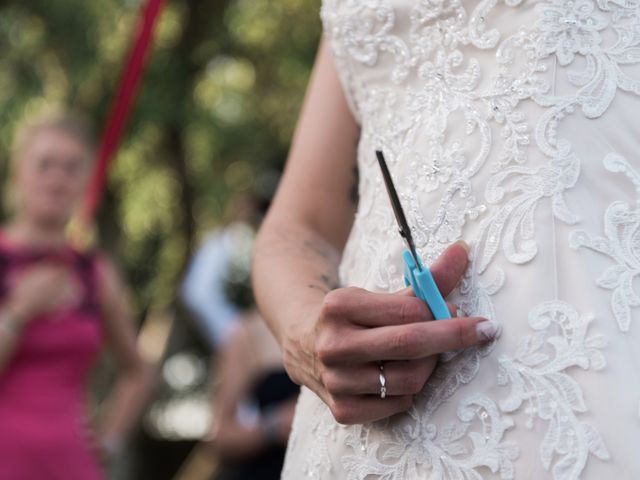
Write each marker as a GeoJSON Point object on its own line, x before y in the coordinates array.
{"type": "Point", "coordinates": [44, 428]}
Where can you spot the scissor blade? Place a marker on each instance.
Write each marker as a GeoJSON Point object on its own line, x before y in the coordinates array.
{"type": "Point", "coordinates": [405, 231]}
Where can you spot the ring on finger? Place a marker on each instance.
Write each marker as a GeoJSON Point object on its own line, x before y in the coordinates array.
{"type": "Point", "coordinates": [383, 382]}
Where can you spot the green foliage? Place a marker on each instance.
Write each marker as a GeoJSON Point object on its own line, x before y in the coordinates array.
{"type": "Point", "coordinates": [216, 109]}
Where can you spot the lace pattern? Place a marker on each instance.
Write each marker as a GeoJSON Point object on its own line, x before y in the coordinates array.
{"type": "Point", "coordinates": [621, 242]}
{"type": "Point", "coordinates": [539, 379]}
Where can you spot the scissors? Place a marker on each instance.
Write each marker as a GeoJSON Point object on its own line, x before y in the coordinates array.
{"type": "Point", "coordinates": [415, 275]}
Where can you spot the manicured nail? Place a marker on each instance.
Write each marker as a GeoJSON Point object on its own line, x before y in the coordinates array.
{"type": "Point", "coordinates": [487, 330]}
{"type": "Point", "coordinates": [464, 245]}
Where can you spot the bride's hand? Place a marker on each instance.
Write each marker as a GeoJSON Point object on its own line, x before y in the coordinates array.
{"type": "Point", "coordinates": [356, 330]}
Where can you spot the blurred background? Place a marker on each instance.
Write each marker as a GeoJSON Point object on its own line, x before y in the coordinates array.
{"type": "Point", "coordinates": [211, 124]}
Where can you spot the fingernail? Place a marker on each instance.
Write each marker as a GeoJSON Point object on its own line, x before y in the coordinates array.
{"type": "Point", "coordinates": [487, 330]}
{"type": "Point", "coordinates": [464, 245]}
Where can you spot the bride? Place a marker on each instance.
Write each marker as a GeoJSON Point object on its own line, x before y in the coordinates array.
{"type": "Point", "coordinates": [511, 131]}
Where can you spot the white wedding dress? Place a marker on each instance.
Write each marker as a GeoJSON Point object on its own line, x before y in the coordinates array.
{"type": "Point", "coordinates": [514, 124]}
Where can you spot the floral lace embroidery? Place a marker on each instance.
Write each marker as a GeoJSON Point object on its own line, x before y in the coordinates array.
{"type": "Point", "coordinates": [571, 27]}
{"type": "Point", "coordinates": [574, 27]}
{"type": "Point", "coordinates": [418, 446]}
{"type": "Point", "coordinates": [538, 378]}
{"type": "Point", "coordinates": [621, 242]}
{"type": "Point", "coordinates": [515, 217]}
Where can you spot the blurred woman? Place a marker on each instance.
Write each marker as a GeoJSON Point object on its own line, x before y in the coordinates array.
{"type": "Point", "coordinates": [253, 405]}
{"type": "Point", "coordinates": [58, 306]}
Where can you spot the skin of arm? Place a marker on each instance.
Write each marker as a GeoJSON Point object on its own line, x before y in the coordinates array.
{"type": "Point", "coordinates": [298, 248]}
{"type": "Point", "coordinates": [128, 397]}
{"type": "Point", "coordinates": [299, 244]}
{"type": "Point", "coordinates": [333, 339]}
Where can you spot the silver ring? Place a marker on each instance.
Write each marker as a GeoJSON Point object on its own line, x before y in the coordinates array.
{"type": "Point", "coordinates": [383, 383]}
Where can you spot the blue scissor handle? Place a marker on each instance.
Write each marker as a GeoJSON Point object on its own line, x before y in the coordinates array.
{"type": "Point", "coordinates": [424, 287]}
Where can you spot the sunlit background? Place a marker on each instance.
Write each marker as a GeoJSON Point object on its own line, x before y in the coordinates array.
{"type": "Point", "coordinates": [213, 120]}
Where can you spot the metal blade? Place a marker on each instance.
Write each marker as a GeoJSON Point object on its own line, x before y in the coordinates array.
{"type": "Point", "coordinates": [403, 226]}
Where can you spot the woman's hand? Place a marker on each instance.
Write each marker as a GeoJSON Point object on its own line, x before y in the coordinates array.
{"type": "Point", "coordinates": [355, 331]}
{"type": "Point", "coordinates": [41, 289]}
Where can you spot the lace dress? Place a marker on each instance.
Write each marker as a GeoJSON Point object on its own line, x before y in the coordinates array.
{"type": "Point", "coordinates": [514, 124]}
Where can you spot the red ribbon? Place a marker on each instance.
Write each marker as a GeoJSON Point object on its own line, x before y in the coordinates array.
{"type": "Point", "coordinates": [121, 107]}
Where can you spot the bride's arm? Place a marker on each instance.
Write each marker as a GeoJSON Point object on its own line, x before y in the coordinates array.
{"type": "Point", "coordinates": [333, 338]}
{"type": "Point", "coordinates": [299, 245]}
{"type": "Point", "coordinates": [307, 226]}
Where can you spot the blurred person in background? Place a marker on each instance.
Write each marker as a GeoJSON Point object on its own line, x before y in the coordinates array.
{"type": "Point", "coordinates": [204, 289]}
{"type": "Point", "coordinates": [254, 398]}
{"type": "Point", "coordinates": [253, 403]}
{"type": "Point", "coordinates": [58, 307]}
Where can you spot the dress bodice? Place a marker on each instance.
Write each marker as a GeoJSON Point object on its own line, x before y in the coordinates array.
{"type": "Point", "coordinates": [56, 350]}
{"type": "Point", "coordinates": [44, 424]}
{"type": "Point", "coordinates": [513, 125]}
